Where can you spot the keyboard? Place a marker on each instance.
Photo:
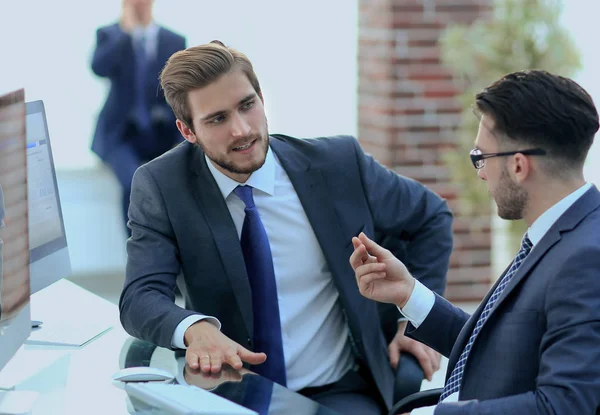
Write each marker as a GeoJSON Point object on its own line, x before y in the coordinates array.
{"type": "Point", "coordinates": [178, 399]}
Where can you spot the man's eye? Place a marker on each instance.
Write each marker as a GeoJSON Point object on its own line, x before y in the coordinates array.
{"type": "Point", "coordinates": [217, 120]}
{"type": "Point", "coordinates": [247, 105]}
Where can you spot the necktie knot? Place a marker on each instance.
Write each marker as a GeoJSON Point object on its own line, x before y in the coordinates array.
{"type": "Point", "coordinates": [245, 193]}
{"type": "Point", "coordinates": [526, 244]}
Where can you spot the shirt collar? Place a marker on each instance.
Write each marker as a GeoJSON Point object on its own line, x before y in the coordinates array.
{"type": "Point", "coordinates": [262, 179]}
{"type": "Point", "coordinates": [148, 31]}
{"type": "Point", "coordinates": [541, 225]}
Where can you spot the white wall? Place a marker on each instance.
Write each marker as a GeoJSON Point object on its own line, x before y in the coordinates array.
{"type": "Point", "coordinates": [304, 54]}
{"type": "Point", "coordinates": [581, 18]}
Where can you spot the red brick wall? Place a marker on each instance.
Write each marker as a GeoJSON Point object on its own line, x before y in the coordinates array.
{"type": "Point", "coordinates": [408, 114]}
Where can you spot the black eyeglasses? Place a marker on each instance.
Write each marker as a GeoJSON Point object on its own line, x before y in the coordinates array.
{"type": "Point", "coordinates": [478, 158]}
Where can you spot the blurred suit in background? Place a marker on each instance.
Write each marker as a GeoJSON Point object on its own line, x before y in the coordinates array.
{"type": "Point", "coordinates": [135, 124]}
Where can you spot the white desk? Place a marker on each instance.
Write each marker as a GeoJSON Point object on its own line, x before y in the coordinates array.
{"type": "Point", "coordinates": [77, 380]}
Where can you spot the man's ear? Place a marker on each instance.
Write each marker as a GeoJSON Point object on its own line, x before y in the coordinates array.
{"type": "Point", "coordinates": [520, 168]}
{"type": "Point", "coordinates": [186, 131]}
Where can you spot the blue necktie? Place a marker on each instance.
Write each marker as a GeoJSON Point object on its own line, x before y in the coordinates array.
{"type": "Point", "coordinates": [141, 112]}
{"type": "Point", "coordinates": [261, 275]}
{"type": "Point", "coordinates": [455, 379]}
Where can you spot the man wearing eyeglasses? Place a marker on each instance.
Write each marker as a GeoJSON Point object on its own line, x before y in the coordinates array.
{"type": "Point", "coordinates": [533, 344]}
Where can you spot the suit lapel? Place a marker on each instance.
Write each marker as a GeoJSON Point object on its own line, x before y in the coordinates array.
{"type": "Point", "coordinates": [155, 65]}
{"type": "Point", "coordinates": [159, 58]}
{"type": "Point", "coordinates": [315, 197]}
{"type": "Point", "coordinates": [211, 202]}
{"type": "Point", "coordinates": [465, 333]}
{"type": "Point", "coordinates": [566, 222]}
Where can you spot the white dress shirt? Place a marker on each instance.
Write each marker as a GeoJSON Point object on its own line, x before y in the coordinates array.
{"type": "Point", "coordinates": [422, 299]}
{"type": "Point", "coordinates": [150, 34]}
{"type": "Point", "coordinates": [316, 346]}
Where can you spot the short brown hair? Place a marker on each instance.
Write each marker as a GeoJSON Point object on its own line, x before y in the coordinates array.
{"type": "Point", "coordinates": [197, 67]}
{"type": "Point", "coordinates": [540, 109]}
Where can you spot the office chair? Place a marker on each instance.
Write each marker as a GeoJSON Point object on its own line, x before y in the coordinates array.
{"type": "Point", "coordinates": [416, 400]}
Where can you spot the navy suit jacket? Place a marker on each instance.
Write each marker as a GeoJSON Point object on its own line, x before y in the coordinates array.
{"type": "Point", "coordinates": [114, 59]}
{"type": "Point", "coordinates": [539, 350]}
{"type": "Point", "coordinates": [180, 223]}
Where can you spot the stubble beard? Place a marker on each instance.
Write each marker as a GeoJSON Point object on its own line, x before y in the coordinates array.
{"type": "Point", "coordinates": [510, 199]}
{"type": "Point", "coordinates": [229, 165]}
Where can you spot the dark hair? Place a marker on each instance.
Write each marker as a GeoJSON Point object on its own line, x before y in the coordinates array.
{"type": "Point", "coordinates": [538, 109]}
{"type": "Point", "coordinates": [197, 67]}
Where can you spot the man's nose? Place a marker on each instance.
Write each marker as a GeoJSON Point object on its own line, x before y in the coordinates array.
{"type": "Point", "coordinates": [481, 173]}
{"type": "Point", "coordinates": [239, 126]}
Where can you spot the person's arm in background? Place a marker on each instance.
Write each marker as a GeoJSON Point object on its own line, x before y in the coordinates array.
{"type": "Point", "coordinates": [416, 222]}
{"type": "Point", "coordinates": [113, 44]}
{"type": "Point", "coordinates": [147, 303]}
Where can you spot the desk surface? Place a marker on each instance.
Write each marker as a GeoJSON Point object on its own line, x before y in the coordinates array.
{"type": "Point", "coordinates": [77, 380]}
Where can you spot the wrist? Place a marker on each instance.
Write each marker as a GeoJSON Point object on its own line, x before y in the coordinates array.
{"type": "Point", "coordinates": [196, 331]}
{"type": "Point", "coordinates": [410, 286]}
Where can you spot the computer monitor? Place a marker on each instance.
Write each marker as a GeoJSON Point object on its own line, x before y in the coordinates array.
{"type": "Point", "coordinates": [49, 253]}
{"type": "Point", "coordinates": [15, 324]}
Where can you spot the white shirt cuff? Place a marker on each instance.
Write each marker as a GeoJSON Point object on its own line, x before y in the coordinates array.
{"type": "Point", "coordinates": [177, 341]}
{"type": "Point", "coordinates": [419, 304]}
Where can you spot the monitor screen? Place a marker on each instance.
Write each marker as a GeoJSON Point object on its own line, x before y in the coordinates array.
{"type": "Point", "coordinates": [15, 324]}
{"type": "Point", "coordinates": [49, 254]}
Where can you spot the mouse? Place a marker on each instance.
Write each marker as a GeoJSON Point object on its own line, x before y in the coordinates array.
{"type": "Point", "coordinates": [142, 374]}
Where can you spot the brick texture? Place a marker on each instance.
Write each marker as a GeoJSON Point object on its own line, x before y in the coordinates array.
{"type": "Point", "coordinates": [408, 114]}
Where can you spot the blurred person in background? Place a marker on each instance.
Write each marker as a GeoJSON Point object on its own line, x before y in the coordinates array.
{"type": "Point", "coordinates": [259, 226]}
{"type": "Point", "coordinates": [135, 124]}
{"type": "Point", "coordinates": [532, 346]}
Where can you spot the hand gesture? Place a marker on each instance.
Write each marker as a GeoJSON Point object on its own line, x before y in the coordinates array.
{"type": "Point", "coordinates": [208, 349]}
{"type": "Point", "coordinates": [379, 274]}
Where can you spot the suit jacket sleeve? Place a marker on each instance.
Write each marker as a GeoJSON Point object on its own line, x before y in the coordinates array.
{"type": "Point", "coordinates": [112, 46]}
{"type": "Point", "coordinates": [441, 327]}
{"type": "Point", "coordinates": [569, 369]}
{"type": "Point", "coordinates": [147, 304]}
{"type": "Point", "coordinates": [409, 212]}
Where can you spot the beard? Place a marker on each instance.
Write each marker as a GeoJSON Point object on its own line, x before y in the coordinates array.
{"type": "Point", "coordinates": [510, 198]}
{"type": "Point", "coordinates": [225, 163]}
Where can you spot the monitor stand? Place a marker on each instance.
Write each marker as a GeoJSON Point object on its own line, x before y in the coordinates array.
{"type": "Point", "coordinates": [17, 402]}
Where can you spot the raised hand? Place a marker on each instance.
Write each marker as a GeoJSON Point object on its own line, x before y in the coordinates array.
{"type": "Point", "coordinates": [379, 274]}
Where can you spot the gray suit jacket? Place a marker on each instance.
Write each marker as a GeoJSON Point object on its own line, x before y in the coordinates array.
{"type": "Point", "coordinates": [180, 223]}
{"type": "Point", "coordinates": [539, 350]}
